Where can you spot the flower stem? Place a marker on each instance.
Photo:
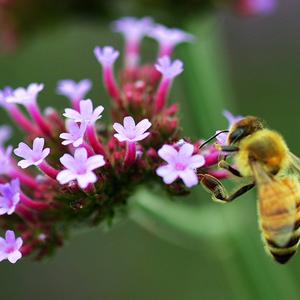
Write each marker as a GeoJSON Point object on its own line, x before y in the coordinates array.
{"type": "Point", "coordinates": [22, 121]}
{"type": "Point", "coordinates": [130, 154]}
{"type": "Point", "coordinates": [33, 204]}
{"type": "Point", "coordinates": [162, 94]}
{"type": "Point", "coordinates": [34, 111]}
{"type": "Point", "coordinates": [110, 83]}
{"type": "Point", "coordinates": [132, 54]}
{"type": "Point", "coordinates": [93, 140]}
{"type": "Point", "coordinates": [24, 178]}
{"type": "Point", "coordinates": [48, 170]}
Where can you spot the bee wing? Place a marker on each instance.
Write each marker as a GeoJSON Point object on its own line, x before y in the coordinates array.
{"type": "Point", "coordinates": [295, 161]}
{"type": "Point", "coordinates": [276, 206]}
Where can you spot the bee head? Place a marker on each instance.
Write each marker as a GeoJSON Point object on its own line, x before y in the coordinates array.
{"type": "Point", "coordinates": [243, 128]}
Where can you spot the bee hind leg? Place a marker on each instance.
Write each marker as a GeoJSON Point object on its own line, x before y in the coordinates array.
{"type": "Point", "coordinates": [218, 190]}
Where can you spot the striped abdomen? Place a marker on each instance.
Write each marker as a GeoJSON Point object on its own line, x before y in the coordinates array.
{"type": "Point", "coordinates": [279, 207]}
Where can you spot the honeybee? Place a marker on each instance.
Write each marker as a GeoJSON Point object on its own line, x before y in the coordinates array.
{"type": "Point", "coordinates": [262, 155]}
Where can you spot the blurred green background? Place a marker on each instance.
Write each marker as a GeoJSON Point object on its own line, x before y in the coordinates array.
{"type": "Point", "coordinates": [223, 259]}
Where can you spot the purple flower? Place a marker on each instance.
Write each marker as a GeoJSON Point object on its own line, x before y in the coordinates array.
{"type": "Point", "coordinates": [169, 37]}
{"type": "Point", "coordinates": [180, 164]}
{"type": "Point", "coordinates": [10, 247]}
{"type": "Point", "coordinates": [9, 197]}
{"type": "Point", "coordinates": [86, 114]}
{"type": "Point", "coordinates": [133, 29]}
{"type": "Point", "coordinates": [5, 160]}
{"type": "Point", "coordinates": [262, 6]}
{"type": "Point", "coordinates": [25, 96]}
{"type": "Point", "coordinates": [80, 168]}
{"type": "Point", "coordinates": [222, 137]}
{"type": "Point", "coordinates": [168, 68]}
{"type": "Point", "coordinates": [106, 55]}
{"type": "Point", "coordinates": [6, 92]}
{"type": "Point", "coordinates": [34, 156]}
{"type": "Point", "coordinates": [254, 7]}
{"type": "Point", "coordinates": [73, 90]}
{"type": "Point", "coordinates": [232, 119]}
{"type": "Point", "coordinates": [5, 134]}
{"type": "Point", "coordinates": [130, 132]}
{"type": "Point", "coordinates": [75, 133]}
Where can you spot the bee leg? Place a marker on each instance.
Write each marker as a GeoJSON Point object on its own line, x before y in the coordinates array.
{"type": "Point", "coordinates": [225, 165]}
{"type": "Point", "coordinates": [218, 190]}
{"type": "Point", "coordinates": [241, 191]}
{"type": "Point", "coordinates": [214, 186]}
{"type": "Point", "coordinates": [227, 148]}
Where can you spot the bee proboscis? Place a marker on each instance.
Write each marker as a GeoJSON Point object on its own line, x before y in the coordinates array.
{"type": "Point", "coordinates": [262, 155]}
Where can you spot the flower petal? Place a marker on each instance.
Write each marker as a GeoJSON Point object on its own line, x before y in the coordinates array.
{"type": "Point", "coordinates": [168, 153]}
{"type": "Point", "coordinates": [189, 177]}
{"type": "Point", "coordinates": [129, 123]}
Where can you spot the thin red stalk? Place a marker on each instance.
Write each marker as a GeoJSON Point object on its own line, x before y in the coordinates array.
{"type": "Point", "coordinates": [25, 179]}
{"type": "Point", "coordinates": [93, 140]}
{"type": "Point", "coordinates": [48, 170]}
{"type": "Point", "coordinates": [130, 154]}
{"type": "Point", "coordinates": [34, 111]}
{"type": "Point", "coordinates": [33, 204]}
{"type": "Point", "coordinates": [110, 83]}
{"type": "Point", "coordinates": [25, 124]}
{"type": "Point", "coordinates": [162, 94]}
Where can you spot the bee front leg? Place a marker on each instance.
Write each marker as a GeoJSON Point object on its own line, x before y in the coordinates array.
{"type": "Point", "coordinates": [226, 166]}
{"type": "Point", "coordinates": [218, 190]}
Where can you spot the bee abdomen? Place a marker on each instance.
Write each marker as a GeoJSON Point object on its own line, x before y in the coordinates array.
{"type": "Point", "coordinates": [283, 253]}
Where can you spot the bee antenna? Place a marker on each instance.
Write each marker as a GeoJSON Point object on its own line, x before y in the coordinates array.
{"type": "Point", "coordinates": [213, 137]}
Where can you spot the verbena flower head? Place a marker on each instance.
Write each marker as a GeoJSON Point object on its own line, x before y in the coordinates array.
{"type": "Point", "coordinates": [10, 247]}
{"type": "Point", "coordinates": [27, 95]}
{"type": "Point", "coordinates": [5, 134]}
{"type": "Point", "coordinates": [9, 197]}
{"type": "Point", "coordinates": [168, 68]}
{"type": "Point", "coordinates": [80, 168]}
{"type": "Point", "coordinates": [132, 28]}
{"type": "Point", "coordinates": [34, 156]}
{"type": "Point", "coordinates": [75, 134]}
{"type": "Point", "coordinates": [180, 164]}
{"type": "Point", "coordinates": [106, 55]}
{"type": "Point", "coordinates": [73, 90]}
{"type": "Point", "coordinates": [93, 167]}
{"type": "Point", "coordinates": [86, 113]}
{"type": "Point", "coordinates": [131, 132]}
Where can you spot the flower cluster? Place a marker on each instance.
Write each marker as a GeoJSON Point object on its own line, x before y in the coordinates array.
{"type": "Point", "coordinates": [73, 169]}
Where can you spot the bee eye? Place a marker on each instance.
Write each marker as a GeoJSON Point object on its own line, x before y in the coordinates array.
{"type": "Point", "coordinates": [237, 135]}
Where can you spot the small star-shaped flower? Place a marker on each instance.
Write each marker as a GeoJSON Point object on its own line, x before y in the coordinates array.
{"type": "Point", "coordinates": [106, 55]}
{"type": "Point", "coordinates": [27, 95]}
{"type": "Point", "coordinates": [10, 247]}
{"type": "Point", "coordinates": [73, 90]}
{"type": "Point", "coordinates": [130, 132]}
{"type": "Point", "coordinates": [180, 164]}
{"type": "Point", "coordinates": [86, 113]}
{"type": "Point", "coordinates": [168, 68]}
{"type": "Point", "coordinates": [74, 135]}
{"type": "Point", "coordinates": [34, 156]}
{"type": "Point", "coordinates": [80, 168]}
{"type": "Point", "coordinates": [9, 197]}
{"type": "Point", "coordinates": [133, 28]}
